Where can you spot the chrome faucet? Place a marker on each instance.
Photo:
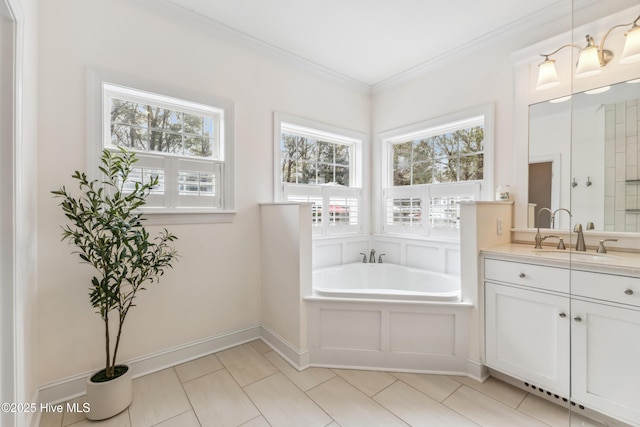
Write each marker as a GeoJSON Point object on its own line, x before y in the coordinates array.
{"type": "Point", "coordinates": [601, 249]}
{"type": "Point", "coordinates": [372, 256]}
{"type": "Point", "coordinates": [364, 257]}
{"type": "Point", "coordinates": [556, 211]}
{"type": "Point", "coordinates": [552, 217]}
{"type": "Point", "coordinates": [580, 246]}
{"type": "Point", "coordinates": [539, 237]}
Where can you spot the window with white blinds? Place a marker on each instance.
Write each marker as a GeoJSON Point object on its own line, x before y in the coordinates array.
{"type": "Point", "coordinates": [430, 167]}
{"type": "Point", "coordinates": [183, 143]}
{"type": "Point", "coordinates": [320, 164]}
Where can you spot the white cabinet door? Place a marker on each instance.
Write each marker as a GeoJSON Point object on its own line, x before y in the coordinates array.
{"type": "Point", "coordinates": [527, 335]}
{"type": "Point", "coordinates": [605, 369]}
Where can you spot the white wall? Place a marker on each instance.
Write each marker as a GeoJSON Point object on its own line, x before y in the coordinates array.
{"type": "Point", "coordinates": [286, 277]}
{"type": "Point", "coordinates": [215, 287]}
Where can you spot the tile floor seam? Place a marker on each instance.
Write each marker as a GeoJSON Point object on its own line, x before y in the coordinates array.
{"type": "Point", "coordinates": [303, 392]}
{"type": "Point", "coordinates": [522, 400]}
{"type": "Point", "coordinates": [200, 376]}
{"type": "Point", "coordinates": [375, 402]}
{"type": "Point", "coordinates": [176, 416]}
{"type": "Point", "coordinates": [425, 394]}
{"type": "Point", "coordinates": [462, 415]}
{"type": "Point", "coordinates": [489, 396]}
{"type": "Point", "coordinates": [448, 407]}
{"type": "Point", "coordinates": [255, 418]}
{"type": "Point", "coordinates": [396, 380]}
{"type": "Point", "coordinates": [249, 397]}
{"type": "Point", "coordinates": [319, 405]}
{"type": "Point", "coordinates": [454, 390]}
{"type": "Point", "coordinates": [188, 398]}
{"type": "Point", "coordinates": [534, 418]}
{"type": "Point", "coordinates": [499, 402]}
{"type": "Point", "coordinates": [316, 386]}
{"type": "Point", "coordinates": [260, 379]}
{"type": "Point", "coordinates": [322, 409]}
{"type": "Point", "coordinates": [398, 417]}
{"type": "Point", "coordinates": [322, 382]}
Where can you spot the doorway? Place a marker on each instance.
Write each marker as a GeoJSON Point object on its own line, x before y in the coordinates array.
{"type": "Point", "coordinates": [540, 176]}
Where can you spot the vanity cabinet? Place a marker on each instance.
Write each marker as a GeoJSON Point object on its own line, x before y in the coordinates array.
{"type": "Point", "coordinates": [572, 332]}
{"type": "Point", "coordinates": [527, 325]}
{"type": "Point", "coordinates": [605, 344]}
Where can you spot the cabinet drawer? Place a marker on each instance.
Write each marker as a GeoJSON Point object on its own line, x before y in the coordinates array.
{"type": "Point", "coordinates": [607, 287]}
{"type": "Point", "coordinates": [535, 276]}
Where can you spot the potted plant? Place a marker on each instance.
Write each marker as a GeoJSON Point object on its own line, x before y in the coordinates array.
{"type": "Point", "coordinates": [106, 228]}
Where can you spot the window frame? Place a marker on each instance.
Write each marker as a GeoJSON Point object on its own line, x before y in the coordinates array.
{"type": "Point", "coordinates": [99, 137]}
{"type": "Point", "coordinates": [480, 189]}
{"type": "Point", "coordinates": [322, 192]}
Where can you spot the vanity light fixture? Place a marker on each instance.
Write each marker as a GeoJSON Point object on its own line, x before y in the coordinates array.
{"type": "Point", "coordinates": [592, 57]}
{"type": "Point", "coordinates": [631, 51]}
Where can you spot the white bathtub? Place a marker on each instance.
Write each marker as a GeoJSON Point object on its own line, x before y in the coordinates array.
{"type": "Point", "coordinates": [385, 281]}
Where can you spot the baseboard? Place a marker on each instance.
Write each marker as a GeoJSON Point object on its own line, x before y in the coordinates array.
{"type": "Point", "coordinates": [477, 370]}
{"type": "Point", "coordinates": [424, 363]}
{"type": "Point", "coordinates": [72, 387]}
{"type": "Point", "coordinates": [299, 359]}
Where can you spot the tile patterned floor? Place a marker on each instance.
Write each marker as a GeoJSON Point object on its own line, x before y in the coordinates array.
{"type": "Point", "coordinates": [251, 386]}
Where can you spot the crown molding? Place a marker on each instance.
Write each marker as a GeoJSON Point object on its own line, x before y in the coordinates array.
{"type": "Point", "coordinates": [522, 25]}
{"type": "Point", "coordinates": [532, 22]}
{"type": "Point", "coordinates": [175, 12]}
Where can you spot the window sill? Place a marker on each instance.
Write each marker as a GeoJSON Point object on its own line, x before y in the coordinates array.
{"type": "Point", "coordinates": [169, 216]}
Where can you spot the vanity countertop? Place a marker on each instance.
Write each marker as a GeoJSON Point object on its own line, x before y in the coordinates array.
{"type": "Point", "coordinates": [625, 263]}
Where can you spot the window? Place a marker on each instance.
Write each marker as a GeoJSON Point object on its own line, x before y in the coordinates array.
{"type": "Point", "coordinates": [441, 155]}
{"type": "Point", "coordinates": [320, 164]}
{"type": "Point", "coordinates": [430, 167]}
{"type": "Point", "coordinates": [186, 145]}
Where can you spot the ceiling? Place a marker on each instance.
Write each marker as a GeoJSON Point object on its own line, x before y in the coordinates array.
{"type": "Point", "coordinates": [367, 41]}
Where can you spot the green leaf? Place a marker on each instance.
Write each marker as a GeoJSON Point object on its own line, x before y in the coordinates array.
{"type": "Point", "coordinates": [107, 230]}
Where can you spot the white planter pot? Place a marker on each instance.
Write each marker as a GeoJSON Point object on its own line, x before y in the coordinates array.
{"type": "Point", "coordinates": [109, 398]}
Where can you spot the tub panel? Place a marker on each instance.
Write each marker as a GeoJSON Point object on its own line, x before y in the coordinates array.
{"type": "Point", "coordinates": [427, 333]}
{"type": "Point", "coordinates": [411, 336]}
{"type": "Point", "coordinates": [363, 333]}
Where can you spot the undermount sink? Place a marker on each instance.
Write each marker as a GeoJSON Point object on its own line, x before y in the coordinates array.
{"type": "Point", "coordinates": [579, 256]}
{"type": "Point", "coordinates": [576, 256]}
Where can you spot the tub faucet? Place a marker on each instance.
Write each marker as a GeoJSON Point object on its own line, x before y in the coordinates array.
{"type": "Point", "coordinates": [380, 258]}
{"type": "Point", "coordinates": [364, 257]}
{"type": "Point", "coordinates": [372, 256]}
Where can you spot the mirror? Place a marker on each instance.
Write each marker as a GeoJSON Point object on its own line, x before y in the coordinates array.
{"type": "Point", "coordinates": [584, 154]}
